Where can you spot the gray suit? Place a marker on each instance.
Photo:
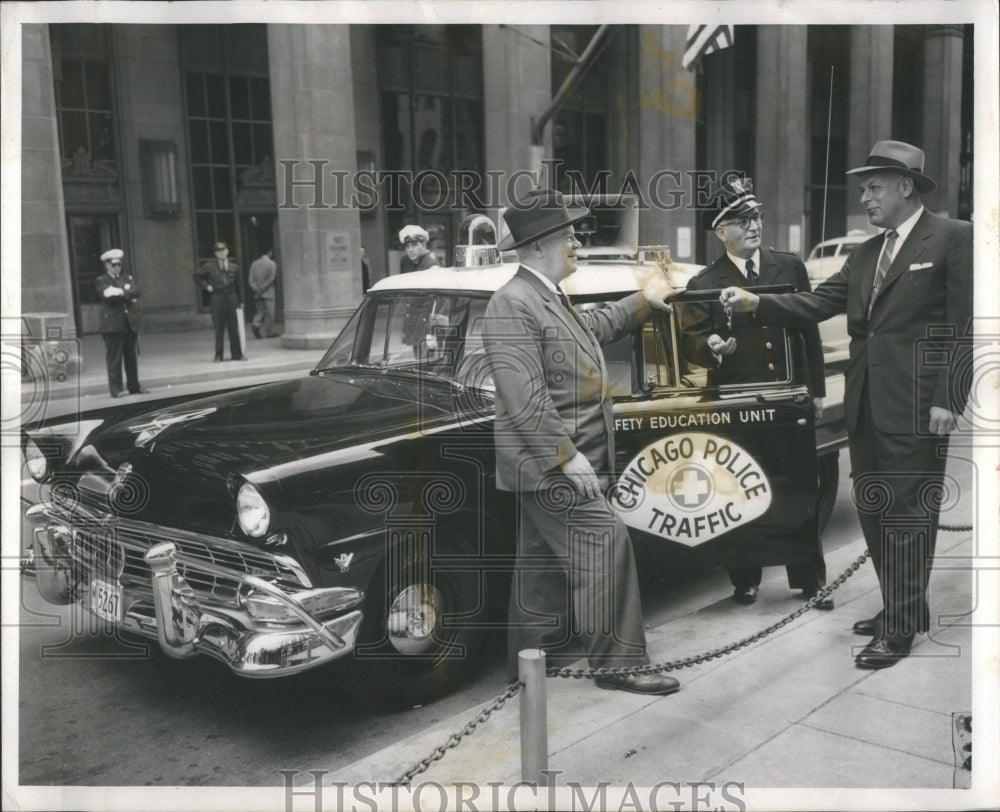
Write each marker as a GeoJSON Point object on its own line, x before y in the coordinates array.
{"type": "Point", "coordinates": [552, 401]}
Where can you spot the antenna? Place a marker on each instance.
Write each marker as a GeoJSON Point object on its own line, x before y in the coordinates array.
{"type": "Point", "coordinates": [826, 169]}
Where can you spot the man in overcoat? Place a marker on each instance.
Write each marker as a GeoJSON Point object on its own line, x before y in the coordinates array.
{"type": "Point", "coordinates": [743, 350]}
{"type": "Point", "coordinates": [908, 297]}
{"type": "Point", "coordinates": [120, 316]}
{"type": "Point", "coordinates": [554, 443]}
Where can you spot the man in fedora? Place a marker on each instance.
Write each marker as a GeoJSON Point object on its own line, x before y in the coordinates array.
{"type": "Point", "coordinates": [908, 297]}
{"type": "Point", "coordinates": [555, 449]}
{"type": "Point", "coordinates": [745, 350]}
{"type": "Point", "coordinates": [120, 315]}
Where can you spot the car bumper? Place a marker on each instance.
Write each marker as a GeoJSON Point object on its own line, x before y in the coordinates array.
{"type": "Point", "coordinates": [163, 585]}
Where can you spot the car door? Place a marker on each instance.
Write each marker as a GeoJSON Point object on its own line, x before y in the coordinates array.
{"type": "Point", "coordinates": [724, 474]}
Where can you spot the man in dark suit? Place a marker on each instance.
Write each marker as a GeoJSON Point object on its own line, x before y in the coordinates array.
{"type": "Point", "coordinates": [554, 443]}
{"type": "Point", "coordinates": [120, 316]}
{"type": "Point", "coordinates": [741, 349]}
{"type": "Point", "coordinates": [223, 280]}
{"type": "Point", "coordinates": [908, 298]}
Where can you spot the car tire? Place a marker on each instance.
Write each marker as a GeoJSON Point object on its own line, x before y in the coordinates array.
{"type": "Point", "coordinates": [421, 633]}
{"type": "Point", "coordinates": [829, 481]}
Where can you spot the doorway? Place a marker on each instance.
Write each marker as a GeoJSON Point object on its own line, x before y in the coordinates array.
{"type": "Point", "coordinates": [259, 232]}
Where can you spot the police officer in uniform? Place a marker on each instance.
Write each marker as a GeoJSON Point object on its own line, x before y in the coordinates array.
{"type": "Point", "coordinates": [120, 315]}
{"type": "Point", "coordinates": [223, 280]}
{"type": "Point", "coordinates": [740, 349]}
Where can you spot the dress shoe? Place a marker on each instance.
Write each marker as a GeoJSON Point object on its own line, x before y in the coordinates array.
{"type": "Point", "coordinates": [116, 394]}
{"type": "Point", "coordinates": [869, 627]}
{"type": "Point", "coordinates": [652, 684]}
{"type": "Point", "coordinates": [745, 594]}
{"type": "Point", "coordinates": [217, 359]}
{"type": "Point", "coordinates": [256, 330]}
{"type": "Point", "coordinates": [142, 390]}
{"type": "Point", "coordinates": [241, 358]}
{"type": "Point", "coordinates": [882, 653]}
{"type": "Point", "coordinates": [824, 604]}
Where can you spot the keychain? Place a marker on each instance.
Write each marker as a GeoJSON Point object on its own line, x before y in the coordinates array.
{"type": "Point", "coordinates": [729, 316]}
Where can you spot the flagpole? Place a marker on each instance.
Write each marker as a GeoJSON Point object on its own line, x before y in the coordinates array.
{"type": "Point", "coordinates": [826, 169]}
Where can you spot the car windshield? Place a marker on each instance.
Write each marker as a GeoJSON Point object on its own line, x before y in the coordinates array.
{"type": "Point", "coordinates": [426, 332]}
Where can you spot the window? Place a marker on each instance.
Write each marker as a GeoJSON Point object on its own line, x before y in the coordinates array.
{"type": "Point", "coordinates": [83, 104]}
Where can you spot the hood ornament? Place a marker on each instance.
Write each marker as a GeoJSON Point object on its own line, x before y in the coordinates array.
{"type": "Point", "coordinates": [151, 430]}
{"type": "Point", "coordinates": [344, 561]}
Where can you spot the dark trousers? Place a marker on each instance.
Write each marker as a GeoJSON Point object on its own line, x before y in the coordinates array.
{"type": "Point", "coordinates": [224, 320]}
{"type": "Point", "coordinates": [809, 576]}
{"type": "Point", "coordinates": [898, 483]}
{"type": "Point", "coordinates": [120, 347]}
{"type": "Point", "coordinates": [575, 575]}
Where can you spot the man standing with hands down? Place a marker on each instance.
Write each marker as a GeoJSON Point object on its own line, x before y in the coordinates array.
{"type": "Point", "coordinates": [555, 449]}
{"type": "Point", "coordinates": [747, 351]}
{"type": "Point", "coordinates": [908, 298]}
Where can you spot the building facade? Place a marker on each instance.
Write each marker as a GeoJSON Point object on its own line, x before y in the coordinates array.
{"type": "Point", "coordinates": [318, 140]}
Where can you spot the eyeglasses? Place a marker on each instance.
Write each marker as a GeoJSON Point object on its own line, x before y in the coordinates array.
{"type": "Point", "coordinates": [744, 222]}
{"type": "Point", "coordinates": [115, 264]}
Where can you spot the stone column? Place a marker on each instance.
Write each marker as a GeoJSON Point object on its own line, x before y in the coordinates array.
{"type": "Point", "coordinates": [942, 124]}
{"type": "Point", "coordinates": [46, 284]}
{"type": "Point", "coordinates": [667, 116]}
{"type": "Point", "coordinates": [781, 158]}
{"type": "Point", "coordinates": [312, 103]}
{"type": "Point", "coordinates": [869, 105]}
{"type": "Point", "coordinates": [517, 87]}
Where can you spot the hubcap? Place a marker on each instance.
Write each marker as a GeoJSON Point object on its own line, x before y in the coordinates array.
{"type": "Point", "coordinates": [413, 618]}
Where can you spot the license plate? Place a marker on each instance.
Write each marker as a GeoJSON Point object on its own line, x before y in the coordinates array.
{"type": "Point", "coordinates": [106, 600]}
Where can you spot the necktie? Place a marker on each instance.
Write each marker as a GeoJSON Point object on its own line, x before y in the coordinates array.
{"type": "Point", "coordinates": [751, 273]}
{"type": "Point", "coordinates": [884, 262]}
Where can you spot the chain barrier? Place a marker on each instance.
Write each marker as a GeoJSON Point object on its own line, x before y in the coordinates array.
{"type": "Point", "coordinates": [655, 668]}
{"type": "Point", "coordinates": [455, 739]}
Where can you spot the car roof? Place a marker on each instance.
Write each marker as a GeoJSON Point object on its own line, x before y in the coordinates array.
{"type": "Point", "coordinates": [588, 280]}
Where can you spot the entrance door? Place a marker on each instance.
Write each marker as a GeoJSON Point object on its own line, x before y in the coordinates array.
{"type": "Point", "coordinates": [259, 233]}
{"type": "Point", "coordinates": [89, 237]}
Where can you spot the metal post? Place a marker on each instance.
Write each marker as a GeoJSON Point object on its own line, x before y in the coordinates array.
{"type": "Point", "coordinates": [534, 718]}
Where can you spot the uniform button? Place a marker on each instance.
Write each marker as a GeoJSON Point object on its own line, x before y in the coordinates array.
{"type": "Point", "coordinates": [768, 345]}
{"type": "Point", "coordinates": [771, 367]}
{"type": "Point", "coordinates": [871, 335]}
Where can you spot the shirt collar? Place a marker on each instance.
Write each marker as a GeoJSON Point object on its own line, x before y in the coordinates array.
{"type": "Point", "coordinates": [545, 280]}
{"type": "Point", "coordinates": [904, 228]}
{"type": "Point", "coordinates": [741, 264]}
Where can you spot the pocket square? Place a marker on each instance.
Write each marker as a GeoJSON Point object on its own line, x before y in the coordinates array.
{"type": "Point", "coordinates": [919, 266]}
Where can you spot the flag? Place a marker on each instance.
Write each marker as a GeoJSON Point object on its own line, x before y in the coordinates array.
{"type": "Point", "coordinates": [703, 39]}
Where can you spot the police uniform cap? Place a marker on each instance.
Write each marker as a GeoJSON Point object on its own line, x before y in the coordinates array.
{"type": "Point", "coordinates": [411, 233]}
{"type": "Point", "coordinates": [111, 254]}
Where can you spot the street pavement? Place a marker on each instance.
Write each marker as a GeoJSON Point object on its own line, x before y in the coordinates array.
{"type": "Point", "coordinates": [789, 711]}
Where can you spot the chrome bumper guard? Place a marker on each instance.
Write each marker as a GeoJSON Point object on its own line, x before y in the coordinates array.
{"type": "Point", "coordinates": [187, 621]}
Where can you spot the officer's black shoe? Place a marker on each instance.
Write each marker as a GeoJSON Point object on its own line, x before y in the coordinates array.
{"type": "Point", "coordinates": [651, 684]}
{"type": "Point", "coordinates": [217, 359]}
{"type": "Point", "coordinates": [745, 594]}
{"type": "Point", "coordinates": [825, 603]}
{"type": "Point", "coordinates": [869, 627]}
{"type": "Point", "coordinates": [882, 653]}
{"type": "Point", "coordinates": [116, 394]}
{"type": "Point", "coordinates": [256, 330]}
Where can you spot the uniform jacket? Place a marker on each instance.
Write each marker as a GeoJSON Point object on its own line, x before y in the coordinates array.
{"type": "Point", "coordinates": [759, 346]}
{"type": "Point", "coordinates": [229, 280]}
{"type": "Point", "coordinates": [552, 397]}
{"type": "Point", "coordinates": [120, 313]}
{"type": "Point", "coordinates": [263, 271]}
{"type": "Point", "coordinates": [929, 284]}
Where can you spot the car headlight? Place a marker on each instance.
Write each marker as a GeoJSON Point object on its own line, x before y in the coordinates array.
{"type": "Point", "coordinates": [252, 511]}
{"type": "Point", "coordinates": [35, 461]}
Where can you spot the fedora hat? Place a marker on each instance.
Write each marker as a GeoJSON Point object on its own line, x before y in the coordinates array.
{"type": "Point", "coordinates": [900, 157]}
{"type": "Point", "coordinates": [732, 198]}
{"type": "Point", "coordinates": [539, 213]}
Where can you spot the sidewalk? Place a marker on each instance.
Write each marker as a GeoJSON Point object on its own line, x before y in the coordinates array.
{"type": "Point", "coordinates": [168, 363]}
{"type": "Point", "coordinates": [789, 711]}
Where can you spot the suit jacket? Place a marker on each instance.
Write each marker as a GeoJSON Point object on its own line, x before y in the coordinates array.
{"type": "Point", "coordinates": [928, 284]}
{"type": "Point", "coordinates": [120, 313]}
{"type": "Point", "coordinates": [263, 271]}
{"type": "Point", "coordinates": [552, 397]}
{"type": "Point", "coordinates": [230, 280]}
{"type": "Point", "coordinates": [759, 346]}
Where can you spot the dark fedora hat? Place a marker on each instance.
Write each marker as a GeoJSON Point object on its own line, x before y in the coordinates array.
{"type": "Point", "coordinates": [732, 198]}
{"type": "Point", "coordinates": [538, 214]}
{"type": "Point", "coordinates": [900, 157]}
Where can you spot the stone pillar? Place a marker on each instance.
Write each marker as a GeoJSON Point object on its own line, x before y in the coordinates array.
{"type": "Point", "coordinates": [781, 157]}
{"type": "Point", "coordinates": [869, 105]}
{"type": "Point", "coordinates": [942, 124]}
{"type": "Point", "coordinates": [668, 108]}
{"type": "Point", "coordinates": [46, 284]}
{"type": "Point", "coordinates": [517, 87]}
{"type": "Point", "coordinates": [312, 103]}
